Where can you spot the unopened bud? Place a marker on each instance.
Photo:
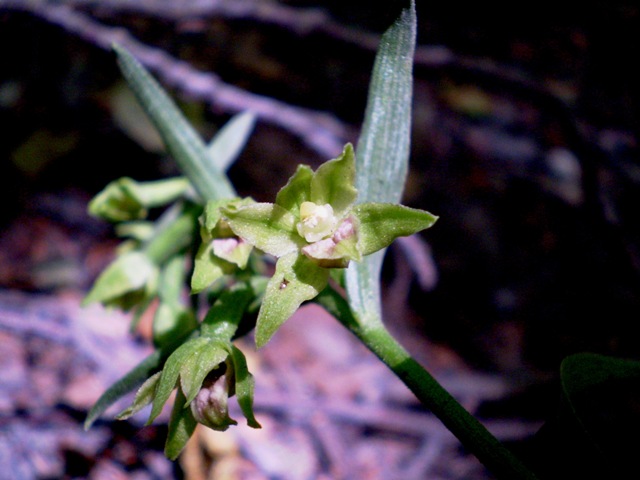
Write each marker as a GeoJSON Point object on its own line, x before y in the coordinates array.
{"type": "Point", "coordinates": [210, 406]}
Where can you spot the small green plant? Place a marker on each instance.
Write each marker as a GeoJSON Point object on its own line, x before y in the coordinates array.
{"type": "Point", "coordinates": [326, 228]}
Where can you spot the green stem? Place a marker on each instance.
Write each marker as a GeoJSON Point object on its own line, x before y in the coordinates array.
{"type": "Point", "coordinates": [471, 433]}
{"type": "Point", "coordinates": [173, 233]}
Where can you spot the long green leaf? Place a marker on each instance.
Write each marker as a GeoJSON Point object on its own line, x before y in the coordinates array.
{"type": "Point", "coordinates": [383, 149]}
{"type": "Point", "coordinates": [182, 142]}
{"type": "Point", "coordinates": [126, 384]}
{"type": "Point", "coordinates": [229, 141]}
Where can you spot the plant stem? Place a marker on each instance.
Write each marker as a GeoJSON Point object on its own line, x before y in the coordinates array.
{"type": "Point", "coordinates": [471, 433]}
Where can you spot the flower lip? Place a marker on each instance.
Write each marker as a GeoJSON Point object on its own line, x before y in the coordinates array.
{"type": "Point", "coordinates": [316, 221]}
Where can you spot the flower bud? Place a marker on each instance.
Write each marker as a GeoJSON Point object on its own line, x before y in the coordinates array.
{"type": "Point", "coordinates": [210, 406]}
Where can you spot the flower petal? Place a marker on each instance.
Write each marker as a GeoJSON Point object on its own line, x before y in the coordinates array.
{"type": "Point", "coordinates": [234, 250]}
{"type": "Point", "coordinates": [210, 407]}
{"type": "Point", "coordinates": [337, 250]}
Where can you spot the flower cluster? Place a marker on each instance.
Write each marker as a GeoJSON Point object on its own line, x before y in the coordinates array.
{"type": "Point", "coordinates": [313, 226]}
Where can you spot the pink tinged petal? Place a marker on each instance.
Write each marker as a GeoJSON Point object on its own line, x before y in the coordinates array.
{"type": "Point", "coordinates": [224, 246]}
{"type": "Point", "coordinates": [337, 251]}
{"type": "Point", "coordinates": [345, 230]}
{"type": "Point", "coordinates": [322, 253]}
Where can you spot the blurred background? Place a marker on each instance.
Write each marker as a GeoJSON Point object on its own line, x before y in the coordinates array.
{"type": "Point", "coordinates": [525, 143]}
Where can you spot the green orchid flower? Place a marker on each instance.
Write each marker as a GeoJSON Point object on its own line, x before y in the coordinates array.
{"type": "Point", "coordinates": [314, 226]}
{"type": "Point", "coordinates": [221, 251]}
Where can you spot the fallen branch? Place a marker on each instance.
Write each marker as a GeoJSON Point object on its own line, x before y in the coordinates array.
{"type": "Point", "coordinates": [321, 132]}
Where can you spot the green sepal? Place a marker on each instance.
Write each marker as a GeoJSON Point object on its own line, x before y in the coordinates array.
{"type": "Point", "coordinates": [181, 427]}
{"type": "Point", "coordinates": [244, 387]}
{"type": "Point", "coordinates": [132, 272]}
{"type": "Point", "coordinates": [208, 268]}
{"type": "Point", "coordinates": [295, 280]}
{"type": "Point", "coordinates": [381, 223]}
{"type": "Point", "coordinates": [171, 280]}
{"type": "Point", "coordinates": [296, 191]}
{"type": "Point", "coordinates": [333, 182]}
{"type": "Point", "coordinates": [206, 357]}
{"type": "Point", "coordinates": [144, 396]}
{"type": "Point", "coordinates": [171, 372]}
{"type": "Point", "coordinates": [220, 252]}
{"type": "Point", "coordinates": [267, 226]}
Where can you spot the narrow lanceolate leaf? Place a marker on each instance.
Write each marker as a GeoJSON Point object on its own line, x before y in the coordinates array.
{"type": "Point", "coordinates": [244, 386]}
{"type": "Point", "coordinates": [296, 279]}
{"type": "Point", "coordinates": [126, 384]}
{"type": "Point", "coordinates": [383, 148]}
{"type": "Point", "coordinates": [266, 226]}
{"type": "Point", "coordinates": [228, 142]}
{"type": "Point", "coordinates": [182, 142]}
{"type": "Point", "coordinates": [333, 182]}
{"type": "Point", "coordinates": [381, 223]}
{"type": "Point", "coordinates": [181, 427]}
